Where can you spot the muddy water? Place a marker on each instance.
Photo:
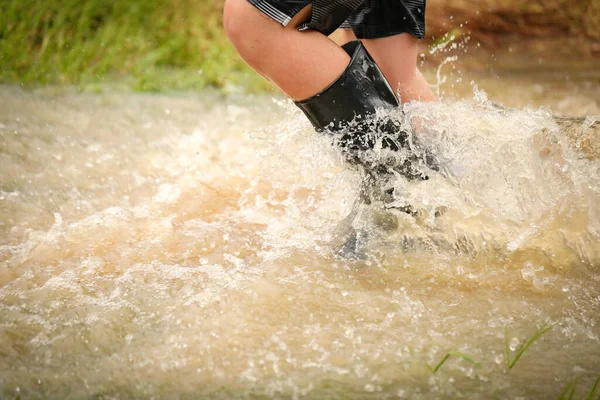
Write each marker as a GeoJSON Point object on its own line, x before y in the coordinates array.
{"type": "Point", "coordinates": [179, 246]}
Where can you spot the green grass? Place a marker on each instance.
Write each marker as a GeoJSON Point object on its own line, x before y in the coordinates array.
{"type": "Point", "coordinates": [522, 347]}
{"type": "Point", "coordinates": [569, 392]}
{"type": "Point", "coordinates": [152, 45]}
{"type": "Point", "coordinates": [592, 392]}
{"type": "Point", "coordinates": [463, 356]}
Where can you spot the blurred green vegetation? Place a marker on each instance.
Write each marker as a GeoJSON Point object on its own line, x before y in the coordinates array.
{"type": "Point", "coordinates": [150, 45]}
{"type": "Point", "coordinates": [159, 45]}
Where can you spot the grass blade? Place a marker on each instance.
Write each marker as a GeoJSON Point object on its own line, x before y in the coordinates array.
{"type": "Point", "coordinates": [592, 392]}
{"type": "Point", "coordinates": [439, 365]}
{"type": "Point", "coordinates": [569, 391]}
{"type": "Point", "coordinates": [523, 347]}
{"type": "Point", "coordinates": [506, 347]}
{"type": "Point", "coordinates": [463, 356]}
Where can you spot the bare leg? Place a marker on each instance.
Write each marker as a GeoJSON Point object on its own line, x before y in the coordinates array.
{"type": "Point", "coordinates": [345, 35]}
{"type": "Point", "coordinates": [397, 57]}
{"type": "Point", "coordinates": [300, 64]}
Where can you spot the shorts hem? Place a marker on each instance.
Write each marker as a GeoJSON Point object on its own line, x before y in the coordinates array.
{"type": "Point", "coordinates": [277, 15]}
{"type": "Point", "coordinates": [279, 12]}
{"type": "Point", "coordinates": [364, 32]}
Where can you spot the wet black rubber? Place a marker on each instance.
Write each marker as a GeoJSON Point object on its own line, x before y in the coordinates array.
{"type": "Point", "coordinates": [347, 109]}
{"type": "Point", "coordinates": [359, 91]}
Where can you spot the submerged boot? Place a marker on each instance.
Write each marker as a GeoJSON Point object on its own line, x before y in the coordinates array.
{"type": "Point", "coordinates": [347, 108]}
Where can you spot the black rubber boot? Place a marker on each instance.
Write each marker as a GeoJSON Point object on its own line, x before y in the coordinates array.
{"type": "Point", "coordinates": [347, 109]}
{"type": "Point", "coordinates": [360, 90]}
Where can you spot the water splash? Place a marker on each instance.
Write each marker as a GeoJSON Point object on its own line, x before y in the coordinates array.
{"type": "Point", "coordinates": [143, 255]}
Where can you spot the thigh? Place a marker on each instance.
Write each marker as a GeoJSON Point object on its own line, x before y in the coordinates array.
{"type": "Point", "coordinates": [301, 64]}
{"type": "Point", "coordinates": [397, 57]}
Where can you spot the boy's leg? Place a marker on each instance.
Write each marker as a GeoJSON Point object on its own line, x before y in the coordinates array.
{"type": "Point", "coordinates": [397, 57]}
{"type": "Point", "coordinates": [300, 64]}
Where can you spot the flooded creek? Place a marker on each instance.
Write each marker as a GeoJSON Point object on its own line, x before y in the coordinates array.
{"type": "Point", "coordinates": [177, 246]}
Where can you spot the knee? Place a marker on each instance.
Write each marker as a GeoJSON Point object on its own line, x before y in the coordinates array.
{"type": "Point", "coordinates": [237, 15]}
{"type": "Point", "coordinates": [232, 17]}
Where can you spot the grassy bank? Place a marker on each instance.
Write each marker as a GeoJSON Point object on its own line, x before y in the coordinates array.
{"type": "Point", "coordinates": [157, 45]}
{"type": "Point", "coordinates": [147, 44]}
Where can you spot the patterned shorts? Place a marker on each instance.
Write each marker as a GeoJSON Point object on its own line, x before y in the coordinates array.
{"type": "Point", "coordinates": [369, 19]}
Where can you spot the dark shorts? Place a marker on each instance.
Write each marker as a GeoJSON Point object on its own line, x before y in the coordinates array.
{"type": "Point", "coordinates": [369, 19]}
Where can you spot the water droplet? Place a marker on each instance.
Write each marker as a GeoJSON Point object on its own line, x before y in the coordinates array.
{"type": "Point", "coordinates": [514, 342]}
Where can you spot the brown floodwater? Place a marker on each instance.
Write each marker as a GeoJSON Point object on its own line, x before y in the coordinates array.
{"type": "Point", "coordinates": [180, 246]}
